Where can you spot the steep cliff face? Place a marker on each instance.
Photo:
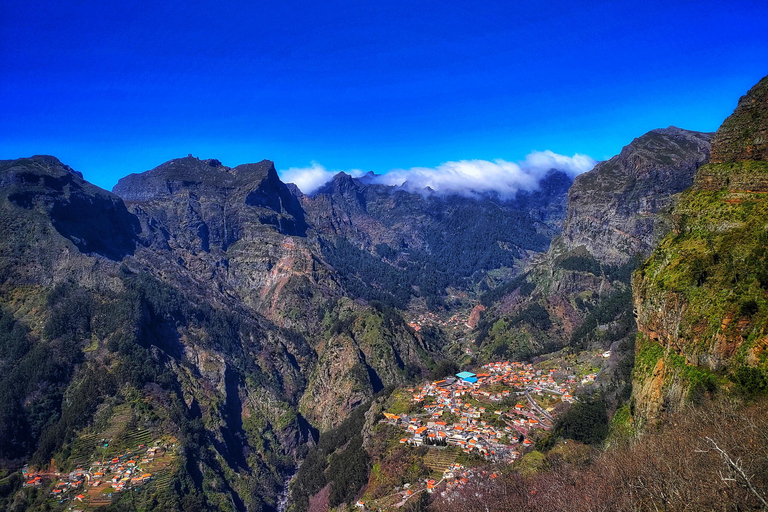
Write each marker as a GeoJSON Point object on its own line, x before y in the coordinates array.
{"type": "Point", "coordinates": [578, 292]}
{"type": "Point", "coordinates": [613, 210]}
{"type": "Point", "coordinates": [701, 297]}
{"type": "Point", "coordinates": [236, 229]}
{"type": "Point", "coordinates": [364, 350]}
{"type": "Point", "coordinates": [744, 135]}
{"type": "Point", "coordinates": [94, 220]}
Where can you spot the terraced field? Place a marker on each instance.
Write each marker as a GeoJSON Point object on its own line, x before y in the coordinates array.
{"type": "Point", "coordinates": [99, 500]}
{"type": "Point", "coordinates": [439, 460]}
{"type": "Point", "coordinates": [83, 449]}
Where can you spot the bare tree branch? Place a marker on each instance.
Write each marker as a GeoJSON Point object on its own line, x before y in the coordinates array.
{"type": "Point", "coordinates": [735, 466]}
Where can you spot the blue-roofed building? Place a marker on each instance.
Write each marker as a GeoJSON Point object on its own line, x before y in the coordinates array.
{"type": "Point", "coordinates": [468, 377]}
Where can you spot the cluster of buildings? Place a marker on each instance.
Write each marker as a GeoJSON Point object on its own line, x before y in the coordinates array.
{"type": "Point", "coordinates": [483, 419]}
{"type": "Point", "coordinates": [457, 476]}
{"type": "Point", "coordinates": [120, 473]}
{"type": "Point", "coordinates": [423, 319]}
{"type": "Point", "coordinates": [124, 472]}
{"type": "Point", "coordinates": [428, 318]}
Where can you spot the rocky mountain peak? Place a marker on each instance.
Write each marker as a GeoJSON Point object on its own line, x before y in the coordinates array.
{"type": "Point", "coordinates": [190, 174]}
{"type": "Point", "coordinates": [259, 170]}
{"type": "Point", "coordinates": [744, 135]}
{"type": "Point", "coordinates": [215, 200]}
{"type": "Point", "coordinates": [94, 220]}
{"type": "Point", "coordinates": [45, 163]}
{"type": "Point", "coordinates": [612, 208]}
{"type": "Point", "coordinates": [344, 190]}
{"type": "Point", "coordinates": [171, 177]}
{"type": "Point", "coordinates": [340, 184]}
{"type": "Point", "coordinates": [51, 162]}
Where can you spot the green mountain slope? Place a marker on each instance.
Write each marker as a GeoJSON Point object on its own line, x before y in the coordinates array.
{"type": "Point", "coordinates": [701, 297]}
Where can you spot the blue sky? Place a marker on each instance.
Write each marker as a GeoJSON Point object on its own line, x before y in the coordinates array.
{"type": "Point", "coordinates": [118, 87]}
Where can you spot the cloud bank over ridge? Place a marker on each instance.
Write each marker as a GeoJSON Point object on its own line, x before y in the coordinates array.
{"type": "Point", "coordinates": [311, 178]}
{"type": "Point", "coordinates": [465, 177]}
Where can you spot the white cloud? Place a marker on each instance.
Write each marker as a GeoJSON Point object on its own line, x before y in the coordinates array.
{"type": "Point", "coordinates": [546, 160]}
{"type": "Point", "coordinates": [469, 177]}
{"type": "Point", "coordinates": [309, 179]}
{"type": "Point", "coordinates": [466, 177]}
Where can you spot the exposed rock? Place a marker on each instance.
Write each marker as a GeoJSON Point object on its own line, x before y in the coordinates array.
{"type": "Point", "coordinates": [374, 349]}
{"type": "Point", "coordinates": [239, 229]}
{"type": "Point", "coordinates": [339, 383]}
{"type": "Point", "coordinates": [613, 210]}
{"type": "Point", "coordinates": [700, 298]}
{"type": "Point", "coordinates": [474, 316]}
{"type": "Point", "coordinates": [94, 220]}
{"type": "Point", "coordinates": [744, 135]}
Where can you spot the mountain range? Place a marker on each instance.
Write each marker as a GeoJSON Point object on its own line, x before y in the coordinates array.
{"type": "Point", "coordinates": [231, 319]}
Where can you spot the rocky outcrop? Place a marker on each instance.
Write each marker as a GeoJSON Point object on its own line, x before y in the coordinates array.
{"type": "Point", "coordinates": [700, 298]}
{"type": "Point", "coordinates": [94, 220]}
{"type": "Point", "coordinates": [205, 200]}
{"type": "Point", "coordinates": [366, 350]}
{"type": "Point", "coordinates": [341, 381]}
{"type": "Point", "coordinates": [744, 135]}
{"type": "Point", "coordinates": [237, 229]}
{"type": "Point", "coordinates": [614, 209]}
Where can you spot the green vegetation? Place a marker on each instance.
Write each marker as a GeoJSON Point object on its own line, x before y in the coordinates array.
{"type": "Point", "coordinates": [615, 308]}
{"type": "Point", "coordinates": [647, 355]}
{"type": "Point", "coordinates": [712, 272]}
{"type": "Point", "coordinates": [531, 463]}
{"type": "Point", "coordinates": [401, 402]}
{"type": "Point", "coordinates": [717, 261]}
{"type": "Point", "coordinates": [443, 369]}
{"type": "Point", "coordinates": [463, 239]}
{"type": "Point", "coordinates": [621, 426]}
{"type": "Point", "coordinates": [338, 459]}
{"type": "Point", "coordinates": [519, 283]}
{"type": "Point", "coordinates": [578, 263]}
{"type": "Point", "coordinates": [586, 421]}
{"type": "Point", "coordinates": [515, 337]}
{"type": "Point", "coordinates": [697, 379]}
{"type": "Point", "coordinates": [51, 391]}
{"type": "Point", "coordinates": [750, 380]}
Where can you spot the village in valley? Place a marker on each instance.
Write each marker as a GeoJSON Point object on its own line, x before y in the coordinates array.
{"type": "Point", "coordinates": [495, 415]}
{"type": "Point", "coordinates": [100, 480]}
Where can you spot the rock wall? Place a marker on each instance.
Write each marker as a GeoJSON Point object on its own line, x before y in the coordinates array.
{"type": "Point", "coordinates": [700, 299]}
